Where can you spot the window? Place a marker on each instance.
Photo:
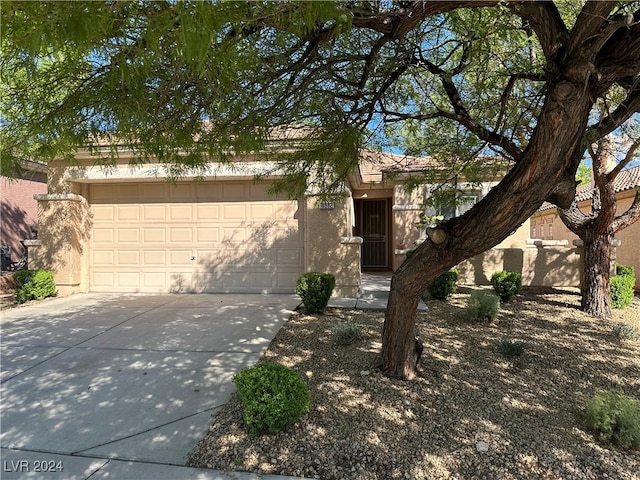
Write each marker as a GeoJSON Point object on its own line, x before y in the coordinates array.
{"type": "Point", "coordinates": [550, 231]}
{"type": "Point", "coordinates": [449, 204]}
{"type": "Point", "coordinates": [466, 201]}
{"type": "Point", "coordinates": [532, 233]}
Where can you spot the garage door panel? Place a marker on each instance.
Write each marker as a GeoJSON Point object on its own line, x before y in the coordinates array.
{"type": "Point", "coordinates": [128, 280]}
{"type": "Point", "coordinates": [103, 281]}
{"type": "Point", "coordinates": [152, 235]}
{"type": "Point", "coordinates": [207, 212]}
{"type": "Point", "coordinates": [290, 257]}
{"type": "Point", "coordinates": [128, 235]}
{"type": "Point", "coordinates": [104, 213]}
{"type": "Point", "coordinates": [154, 257]}
{"type": "Point", "coordinates": [128, 257]}
{"type": "Point", "coordinates": [215, 237]}
{"type": "Point", "coordinates": [180, 235]}
{"type": "Point", "coordinates": [181, 212]}
{"type": "Point", "coordinates": [236, 234]}
{"type": "Point", "coordinates": [153, 213]}
{"type": "Point", "coordinates": [128, 213]}
{"type": "Point", "coordinates": [102, 257]}
{"type": "Point", "coordinates": [102, 235]}
{"type": "Point", "coordinates": [207, 235]}
{"type": "Point", "coordinates": [180, 257]}
{"type": "Point", "coordinates": [155, 281]}
{"type": "Point", "coordinates": [234, 212]}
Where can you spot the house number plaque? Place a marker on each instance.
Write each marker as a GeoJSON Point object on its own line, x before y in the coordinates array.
{"type": "Point", "coordinates": [326, 205]}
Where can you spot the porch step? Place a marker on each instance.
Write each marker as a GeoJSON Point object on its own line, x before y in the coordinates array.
{"type": "Point", "coordinates": [368, 293]}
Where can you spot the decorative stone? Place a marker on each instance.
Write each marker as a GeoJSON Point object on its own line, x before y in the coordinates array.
{"type": "Point", "coordinates": [482, 447]}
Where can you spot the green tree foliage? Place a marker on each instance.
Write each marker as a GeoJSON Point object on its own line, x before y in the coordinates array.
{"type": "Point", "coordinates": [584, 174]}
{"type": "Point", "coordinates": [184, 83]}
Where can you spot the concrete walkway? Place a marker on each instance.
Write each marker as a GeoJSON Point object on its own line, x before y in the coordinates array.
{"type": "Point", "coordinates": [373, 295]}
{"type": "Point", "coordinates": [124, 386]}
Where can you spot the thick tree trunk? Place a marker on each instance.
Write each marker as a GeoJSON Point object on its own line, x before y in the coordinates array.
{"type": "Point", "coordinates": [546, 171]}
{"type": "Point", "coordinates": [596, 297]}
{"type": "Point", "coordinates": [401, 348]}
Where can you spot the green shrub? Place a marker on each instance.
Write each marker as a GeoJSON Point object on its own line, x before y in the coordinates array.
{"type": "Point", "coordinates": [315, 289]}
{"type": "Point", "coordinates": [509, 348]}
{"type": "Point", "coordinates": [625, 271]}
{"type": "Point", "coordinates": [346, 332]}
{"type": "Point", "coordinates": [614, 417]}
{"type": "Point", "coordinates": [507, 284]}
{"type": "Point", "coordinates": [34, 285]}
{"type": "Point", "coordinates": [273, 397]}
{"type": "Point", "coordinates": [622, 286]}
{"type": "Point", "coordinates": [482, 306]}
{"type": "Point", "coordinates": [444, 286]}
{"type": "Point", "coordinates": [624, 331]}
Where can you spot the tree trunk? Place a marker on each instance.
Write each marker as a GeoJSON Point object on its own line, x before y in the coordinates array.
{"type": "Point", "coordinates": [401, 347]}
{"type": "Point", "coordinates": [596, 295]}
{"type": "Point", "coordinates": [546, 171]}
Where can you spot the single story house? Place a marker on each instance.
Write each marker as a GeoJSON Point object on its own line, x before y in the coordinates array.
{"type": "Point", "coordinates": [546, 224]}
{"type": "Point", "coordinates": [126, 229]}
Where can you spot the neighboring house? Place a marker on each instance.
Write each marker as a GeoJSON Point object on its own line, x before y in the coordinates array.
{"type": "Point", "coordinates": [127, 230]}
{"type": "Point", "coordinates": [18, 208]}
{"type": "Point", "coordinates": [547, 225]}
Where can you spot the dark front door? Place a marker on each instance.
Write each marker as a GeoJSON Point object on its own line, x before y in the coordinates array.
{"type": "Point", "coordinates": [374, 230]}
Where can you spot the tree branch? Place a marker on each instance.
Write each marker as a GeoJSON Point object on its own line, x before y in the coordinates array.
{"type": "Point", "coordinates": [621, 114]}
{"type": "Point", "coordinates": [619, 57]}
{"type": "Point", "coordinates": [546, 22]}
{"type": "Point", "coordinates": [631, 216]}
{"type": "Point", "coordinates": [504, 98]}
{"type": "Point", "coordinates": [574, 218]}
{"type": "Point", "coordinates": [611, 176]}
{"type": "Point", "coordinates": [462, 116]}
{"type": "Point", "coordinates": [590, 23]}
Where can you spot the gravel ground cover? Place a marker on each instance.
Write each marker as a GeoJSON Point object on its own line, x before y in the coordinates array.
{"type": "Point", "coordinates": [472, 413]}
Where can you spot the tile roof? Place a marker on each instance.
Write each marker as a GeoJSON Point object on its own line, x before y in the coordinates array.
{"type": "Point", "coordinates": [373, 165]}
{"type": "Point", "coordinates": [626, 180]}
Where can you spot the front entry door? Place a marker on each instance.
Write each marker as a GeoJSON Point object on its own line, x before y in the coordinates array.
{"type": "Point", "coordinates": [375, 233]}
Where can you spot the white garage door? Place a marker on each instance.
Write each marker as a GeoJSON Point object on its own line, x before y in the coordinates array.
{"type": "Point", "coordinates": [226, 236]}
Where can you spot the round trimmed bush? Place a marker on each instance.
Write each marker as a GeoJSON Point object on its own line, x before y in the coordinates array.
{"type": "Point", "coordinates": [315, 289]}
{"type": "Point", "coordinates": [444, 286]}
{"type": "Point", "coordinates": [507, 284]}
{"type": "Point", "coordinates": [273, 397]}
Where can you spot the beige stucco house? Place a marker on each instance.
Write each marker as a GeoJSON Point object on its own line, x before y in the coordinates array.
{"type": "Point", "coordinates": [546, 224]}
{"type": "Point", "coordinates": [126, 229]}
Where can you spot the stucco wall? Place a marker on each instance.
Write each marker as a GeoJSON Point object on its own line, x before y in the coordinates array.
{"type": "Point", "coordinates": [628, 253]}
{"type": "Point", "coordinates": [64, 226]}
{"type": "Point", "coordinates": [329, 245]}
{"type": "Point", "coordinates": [540, 266]}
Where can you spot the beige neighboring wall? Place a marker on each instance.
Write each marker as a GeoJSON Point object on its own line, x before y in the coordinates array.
{"type": "Point", "coordinates": [547, 225]}
{"type": "Point", "coordinates": [330, 247]}
{"type": "Point", "coordinates": [540, 265]}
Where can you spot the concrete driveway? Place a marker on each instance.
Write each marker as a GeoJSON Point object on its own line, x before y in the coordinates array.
{"type": "Point", "coordinates": [124, 386]}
